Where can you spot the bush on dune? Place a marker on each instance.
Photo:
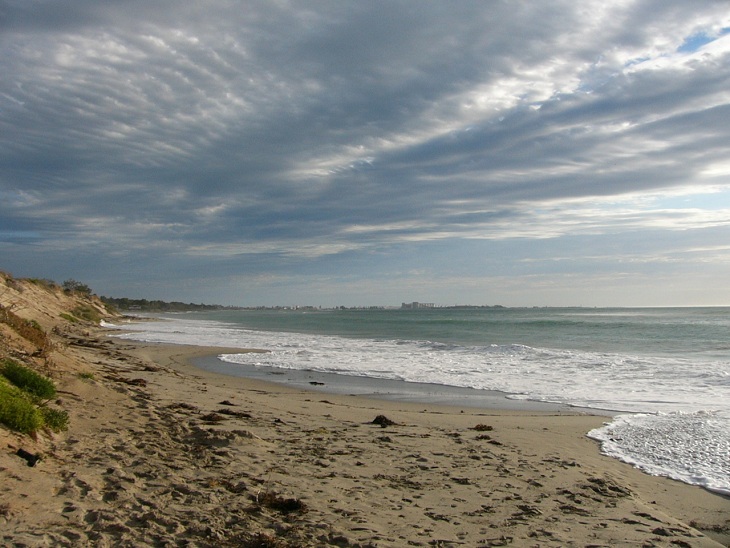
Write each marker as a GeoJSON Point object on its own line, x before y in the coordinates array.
{"type": "Point", "coordinates": [88, 313]}
{"type": "Point", "coordinates": [54, 419]}
{"type": "Point", "coordinates": [18, 412]}
{"type": "Point", "coordinates": [22, 396]}
{"type": "Point", "coordinates": [28, 380]}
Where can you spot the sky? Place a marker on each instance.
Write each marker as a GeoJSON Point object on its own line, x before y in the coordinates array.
{"type": "Point", "coordinates": [369, 153]}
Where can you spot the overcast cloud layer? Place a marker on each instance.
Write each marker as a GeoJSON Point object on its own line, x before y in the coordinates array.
{"type": "Point", "coordinates": [520, 153]}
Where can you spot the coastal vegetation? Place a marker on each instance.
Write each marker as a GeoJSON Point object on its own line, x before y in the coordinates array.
{"type": "Point", "coordinates": [24, 397]}
{"type": "Point", "coordinates": [28, 329]}
{"type": "Point", "coordinates": [82, 314]}
{"type": "Point", "coordinates": [17, 412]}
{"type": "Point", "coordinates": [72, 286]}
{"type": "Point", "coordinates": [37, 386]}
{"type": "Point", "coordinates": [27, 348]}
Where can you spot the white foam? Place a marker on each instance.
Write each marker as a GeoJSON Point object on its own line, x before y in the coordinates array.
{"type": "Point", "coordinates": [689, 447]}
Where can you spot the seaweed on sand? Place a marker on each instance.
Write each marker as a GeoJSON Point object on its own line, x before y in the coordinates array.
{"type": "Point", "coordinates": [272, 501]}
{"type": "Point", "coordinates": [383, 421]}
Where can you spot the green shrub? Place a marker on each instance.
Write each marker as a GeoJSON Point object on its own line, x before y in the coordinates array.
{"type": "Point", "coordinates": [72, 286]}
{"type": "Point", "coordinates": [55, 419]}
{"type": "Point", "coordinates": [69, 317]}
{"type": "Point", "coordinates": [28, 380]}
{"type": "Point", "coordinates": [44, 283]}
{"type": "Point", "coordinates": [17, 408]}
{"type": "Point", "coordinates": [17, 412]}
{"type": "Point", "coordinates": [88, 313]}
{"type": "Point", "coordinates": [35, 325]}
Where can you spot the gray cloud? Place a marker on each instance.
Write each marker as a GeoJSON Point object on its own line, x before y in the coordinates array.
{"type": "Point", "coordinates": [265, 137]}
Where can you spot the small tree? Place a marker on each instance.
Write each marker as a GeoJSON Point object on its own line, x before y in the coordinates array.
{"type": "Point", "coordinates": [72, 286]}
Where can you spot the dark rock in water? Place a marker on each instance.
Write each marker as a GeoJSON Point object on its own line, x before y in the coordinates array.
{"type": "Point", "coordinates": [383, 421]}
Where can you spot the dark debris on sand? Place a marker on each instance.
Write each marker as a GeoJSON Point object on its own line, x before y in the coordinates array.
{"type": "Point", "coordinates": [383, 421]}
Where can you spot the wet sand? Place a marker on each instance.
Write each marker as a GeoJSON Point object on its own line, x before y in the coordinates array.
{"type": "Point", "coordinates": [385, 389]}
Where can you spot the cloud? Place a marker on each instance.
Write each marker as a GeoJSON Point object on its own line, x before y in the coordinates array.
{"type": "Point", "coordinates": [303, 133]}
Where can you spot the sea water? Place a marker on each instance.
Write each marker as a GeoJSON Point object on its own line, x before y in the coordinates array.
{"type": "Point", "coordinates": [664, 371]}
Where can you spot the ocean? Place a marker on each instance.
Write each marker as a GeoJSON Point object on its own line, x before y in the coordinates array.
{"type": "Point", "coordinates": [664, 372]}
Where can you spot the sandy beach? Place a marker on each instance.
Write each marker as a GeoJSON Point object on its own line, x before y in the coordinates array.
{"type": "Point", "coordinates": [162, 453]}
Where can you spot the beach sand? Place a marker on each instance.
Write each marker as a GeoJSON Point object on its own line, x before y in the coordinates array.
{"type": "Point", "coordinates": [162, 453]}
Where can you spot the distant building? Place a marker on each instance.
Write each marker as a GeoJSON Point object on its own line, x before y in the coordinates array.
{"type": "Point", "coordinates": [416, 304]}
